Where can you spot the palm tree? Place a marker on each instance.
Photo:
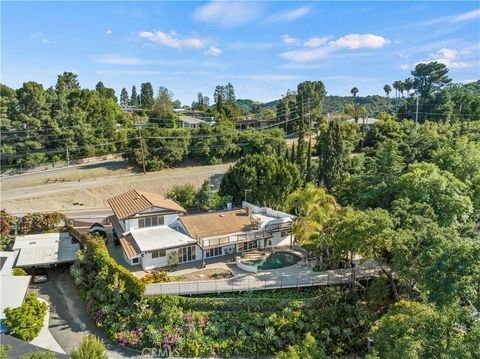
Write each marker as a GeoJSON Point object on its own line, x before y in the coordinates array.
{"type": "Point", "coordinates": [315, 210]}
{"type": "Point", "coordinates": [354, 91]}
{"type": "Point", "coordinates": [408, 85]}
{"type": "Point", "coordinates": [396, 85]}
{"type": "Point", "coordinates": [387, 90]}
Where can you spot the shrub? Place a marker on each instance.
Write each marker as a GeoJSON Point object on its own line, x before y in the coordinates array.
{"type": "Point", "coordinates": [19, 272]}
{"type": "Point", "coordinates": [39, 355]}
{"type": "Point", "coordinates": [4, 242]}
{"type": "Point", "coordinates": [41, 222]}
{"type": "Point", "coordinates": [26, 321]}
{"type": "Point", "coordinates": [90, 348]}
{"type": "Point", "coordinates": [5, 350]}
{"type": "Point", "coordinates": [156, 277]}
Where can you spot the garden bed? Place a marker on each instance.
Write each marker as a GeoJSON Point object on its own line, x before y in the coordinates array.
{"type": "Point", "coordinates": [204, 274]}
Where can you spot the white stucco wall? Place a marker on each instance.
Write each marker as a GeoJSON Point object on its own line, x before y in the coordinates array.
{"type": "Point", "coordinates": [132, 223]}
{"type": "Point", "coordinates": [150, 263]}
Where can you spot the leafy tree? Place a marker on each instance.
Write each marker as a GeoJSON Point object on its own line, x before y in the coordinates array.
{"type": "Point", "coordinates": [163, 104]}
{"type": "Point", "coordinates": [268, 179]}
{"type": "Point", "coordinates": [90, 347]}
{"type": "Point", "coordinates": [183, 195]}
{"type": "Point", "coordinates": [124, 98]}
{"type": "Point", "coordinates": [67, 81]}
{"type": "Point", "coordinates": [429, 78]}
{"type": "Point", "coordinates": [426, 183]}
{"type": "Point", "coordinates": [105, 91]}
{"type": "Point", "coordinates": [146, 96]}
{"type": "Point", "coordinates": [26, 321]}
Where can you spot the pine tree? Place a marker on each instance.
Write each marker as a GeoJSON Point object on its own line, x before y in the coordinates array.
{"type": "Point", "coordinates": [287, 155]}
{"type": "Point", "coordinates": [134, 98]}
{"type": "Point", "coordinates": [309, 176]}
{"type": "Point", "coordinates": [333, 156]}
{"type": "Point", "coordinates": [301, 149]}
{"type": "Point", "coordinates": [146, 96]}
{"type": "Point", "coordinates": [124, 99]}
{"type": "Point", "coordinates": [292, 154]}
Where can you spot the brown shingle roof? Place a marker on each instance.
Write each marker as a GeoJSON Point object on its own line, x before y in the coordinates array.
{"type": "Point", "coordinates": [217, 224]}
{"type": "Point", "coordinates": [129, 246]}
{"type": "Point", "coordinates": [132, 202]}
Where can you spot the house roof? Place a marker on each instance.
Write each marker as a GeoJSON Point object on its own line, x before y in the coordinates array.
{"type": "Point", "coordinates": [13, 290]}
{"type": "Point", "coordinates": [7, 260]}
{"type": "Point", "coordinates": [132, 202]}
{"type": "Point", "coordinates": [217, 224]}
{"type": "Point", "coordinates": [45, 249]}
{"type": "Point", "coordinates": [156, 238]}
{"type": "Point", "coordinates": [129, 246]}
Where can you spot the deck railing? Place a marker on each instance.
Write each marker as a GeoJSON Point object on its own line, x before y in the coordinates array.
{"type": "Point", "coordinates": [234, 239]}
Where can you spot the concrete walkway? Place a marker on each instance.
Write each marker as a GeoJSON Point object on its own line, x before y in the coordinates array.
{"type": "Point", "coordinates": [45, 339]}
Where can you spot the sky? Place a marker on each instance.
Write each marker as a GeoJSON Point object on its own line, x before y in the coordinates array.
{"type": "Point", "coordinates": [262, 48]}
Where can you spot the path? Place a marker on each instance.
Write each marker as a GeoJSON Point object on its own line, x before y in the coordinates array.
{"type": "Point", "coordinates": [45, 338]}
{"type": "Point", "coordinates": [69, 321]}
{"type": "Point", "coordinates": [299, 275]}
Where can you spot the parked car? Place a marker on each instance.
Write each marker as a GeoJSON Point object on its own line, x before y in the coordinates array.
{"type": "Point", "coordinates": [40, 276]}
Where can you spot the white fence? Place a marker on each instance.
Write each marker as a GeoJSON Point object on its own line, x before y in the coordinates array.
{"type": "Point", "coordinates": [263, 281]}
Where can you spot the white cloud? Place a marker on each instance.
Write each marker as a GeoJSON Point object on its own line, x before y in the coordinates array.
{"type": "Point", "coordinates": [470, 15]}
{"type": "Point", "coordinates": [40, 37]}
{"type": "Point", "coordinates": [227, 14]}
{"type": "Point", "coordinates": [315, 41]}
{"type": "Point", "coordinates": [242, 45]}
{"type": "Point", "coordinates": [172, 40]}
{"type": "Point", "coordinates": [213, 51]}
{"type": "Point", "coordinates": [357, 41]}
{"type": "Point", "coordinates": [450, 58]}
{"type": "Point", "coordinates": [288, 40]}
{"type": "Point", "coordinates": [404, 66]}
{"type": "Point", "coordinates": [287, 16]}
{"type": "Point", "coordinates": [109, 32]}
{"type": "Point", "coordinates": [112, 59]}
{"type": "Point", "coordinates": [307, 55]}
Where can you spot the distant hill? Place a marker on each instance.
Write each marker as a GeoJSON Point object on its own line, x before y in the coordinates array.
{"type": "Point", "coordinates": [374, 104]}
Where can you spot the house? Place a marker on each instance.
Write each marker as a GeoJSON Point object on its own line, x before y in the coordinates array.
{"type": "Point", "coordinates": [191, 122]}
{"type": "Point", "coordinates": [139, 215]}
{"type": "Point", "coordinates": [13, 289]}
{"type": "Point", "coordinates": [255, 123]}
{"type": "Point", "coordinates": [152, 230]}
{"type": "Point", "coordinates": [45, 250]}
{"type": "Point", "coordinates": [367, 121]}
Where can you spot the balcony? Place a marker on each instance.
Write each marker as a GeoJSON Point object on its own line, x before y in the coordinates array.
{"type": "Point", "coordinates": [277, 227]}
{"type": "Point", "coordinates": [208, 243]}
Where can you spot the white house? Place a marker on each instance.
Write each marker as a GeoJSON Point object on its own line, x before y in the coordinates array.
{"type": "Point", "coordinates": [191, 237]}
{"type": "Point", "coordinates": [191, 122]}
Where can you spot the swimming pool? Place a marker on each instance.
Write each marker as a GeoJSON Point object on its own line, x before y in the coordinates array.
{"type": "Point", "coordinates": [275, 260]}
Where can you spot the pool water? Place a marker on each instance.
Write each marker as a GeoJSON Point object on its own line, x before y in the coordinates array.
{"type": "Point", "coordinates": [275, 260]}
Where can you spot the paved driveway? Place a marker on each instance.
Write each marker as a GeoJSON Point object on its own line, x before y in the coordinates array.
{"type": "Point", "coordinates": [69, 321]}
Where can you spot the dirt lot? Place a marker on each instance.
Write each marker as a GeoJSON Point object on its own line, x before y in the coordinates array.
{"type": "Point", "coordinates": [89, 188]}
{"type": "Point", "coordinates": [204, 274]}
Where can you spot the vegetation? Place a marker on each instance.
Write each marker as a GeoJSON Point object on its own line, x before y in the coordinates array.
{"type": "Point", "coordinates": [156, 277]}
{"type": "Point", "coordinates": [39, 354]}
{"type": "Point", "coordinates": [19, 271]}
{"type": "Point", "coordinates": [90, 348]}
{"type": "Point", "coordinates": [204, 198]}
{"type": "Point", "coordinates": [26, 321]}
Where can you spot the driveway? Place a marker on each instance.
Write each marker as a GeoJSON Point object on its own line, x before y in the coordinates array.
{"type": "Point", "coordinates": [69, 321]}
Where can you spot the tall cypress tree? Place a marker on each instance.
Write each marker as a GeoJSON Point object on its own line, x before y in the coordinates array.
{"type": "Point", "coordinates": [147, 96]}
{"type": "Point", "coordinates": [333, 156]}
{"type": "Point", "coordinates": [301, 148]}
{"type": "Point", "coordinates": [124, 99]}
{"type": "Point", "coordinates": [134, 97]}
{"type": "Point", "coordinates": [292, 154]}
{"type": "Point", "coordinates": [287, 155]}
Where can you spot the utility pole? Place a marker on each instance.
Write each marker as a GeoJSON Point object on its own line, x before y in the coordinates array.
{"type": "Point", "coordinates": [68, 155]}
{"type": "Point", "coordinates": [141, 144]}
{"type": "Point", "coordinates": [416, 114]}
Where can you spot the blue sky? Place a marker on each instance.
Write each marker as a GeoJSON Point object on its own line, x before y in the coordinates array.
{"type": "Point", "coordinates": [263, 48]}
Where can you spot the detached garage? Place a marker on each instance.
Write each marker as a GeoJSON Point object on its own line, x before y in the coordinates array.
{"type": "Point", "coordinates": [44, 250]}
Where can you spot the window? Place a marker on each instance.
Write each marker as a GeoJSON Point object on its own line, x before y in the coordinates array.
{"type": "Point", "coordinates": [213, 252]}
{"type": "Point", "coordinates": [187, 254]}
{"type": "Point", "coordinates": [160, 253]}
{"type": "Point", "coordinates": [247, 246]}
{"type": "Point", "coordinates": [151, 221]}
{"type": "Point", "coordinates": [135, 260]}
{"type": "Point", "coordinates": [284, 234]}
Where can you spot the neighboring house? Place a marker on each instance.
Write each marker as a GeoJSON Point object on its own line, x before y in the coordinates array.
{"type": "Point", "coordinates": [152, 230]}
{"type": "Point", "coordinates": [191, 122]}
{"type": "Point", "coordinates": [368, 121]}
{"type": "Point", "coordinates": [45, 250]}
{"type": "Point", "coordinates": [12, 288]}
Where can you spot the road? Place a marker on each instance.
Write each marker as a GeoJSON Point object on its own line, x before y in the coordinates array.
{"type": "Point", "coordinates": [113, 163]}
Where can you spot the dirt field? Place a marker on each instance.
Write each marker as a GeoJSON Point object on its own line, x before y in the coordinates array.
{"type": "Point", "coordinates": [90, 188]}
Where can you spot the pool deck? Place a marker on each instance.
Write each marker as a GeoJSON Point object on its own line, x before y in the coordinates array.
{"type": "Point", "coordinates": [295, 276]}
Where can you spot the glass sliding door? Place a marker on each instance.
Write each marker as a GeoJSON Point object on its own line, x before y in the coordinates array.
{"type": "Point", "coordinates": [187, 254]}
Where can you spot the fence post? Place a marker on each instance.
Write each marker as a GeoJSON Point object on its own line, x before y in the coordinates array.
{"type": "Point", "coordinates": [178, 288]}
{"type": "Point", "coordinates": [233, 280]}
{"type": "Point", "coordinates": [248, 280]}
{"type": "Point", "coordinates": [216, 290]}
{"type": "Point", "coordinates": [281, 281]}
{"type": "Point", "coordinates": [198, 292]}
{"type": "Point", "coordinates": [265, 283]}
{"type": "Point", "coordinates": [297, 281]}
